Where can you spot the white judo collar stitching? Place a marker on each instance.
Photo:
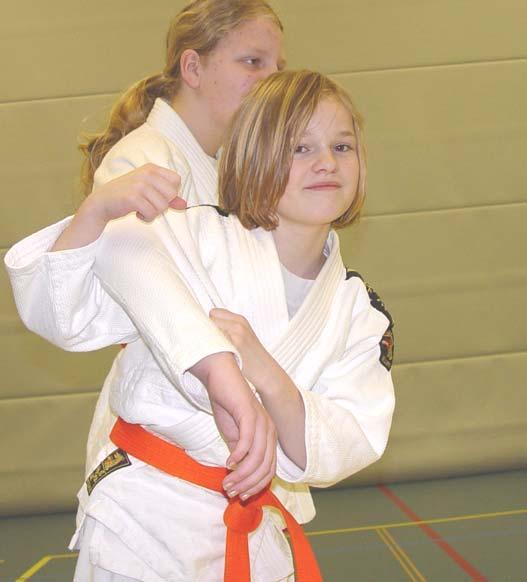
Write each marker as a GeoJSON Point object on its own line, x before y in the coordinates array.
{"type": "Point", "coordinates": [307, 324]}
{"type": "Point", "coordinates": [201, 167]}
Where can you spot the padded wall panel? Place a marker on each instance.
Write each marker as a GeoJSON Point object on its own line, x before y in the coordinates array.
{"type": "Point", "coordinates": [443, 137]}
{"type": "Point", "coordinates": [61, 48]}
{"type": "Point", "coordinates": [455, 417]}
{"type": "Point", "coordinates": [341, 36]}
{"type": "Point", "coordinates": [58, 48]}
{"type": "Point", "coordinates": [43, 460]}
{"type": "Point", "coordinates": [9, 321]}
{"type": "Point", "coordinates": [39, 163]}
{"type": "Point", "coordinates": [454, 280]}
{"type": "Point", "coordinates": [33, 367]}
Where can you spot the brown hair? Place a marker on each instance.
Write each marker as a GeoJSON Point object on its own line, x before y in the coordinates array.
{"type": "Point", "coordinates": [258, 152]}
{"type": "Point", "coordinates": [199, 26]}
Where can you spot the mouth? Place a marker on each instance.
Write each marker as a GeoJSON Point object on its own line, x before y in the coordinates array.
{"type": "Point", "coordinates": [324, 186]}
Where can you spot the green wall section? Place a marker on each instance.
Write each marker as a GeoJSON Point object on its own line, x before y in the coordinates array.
{"type": "Point", "coordinates": [443, 87]}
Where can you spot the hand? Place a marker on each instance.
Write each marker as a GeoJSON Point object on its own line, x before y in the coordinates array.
{"type": "Point", "coordinates": [279, 395]}
{"type": "Point", "coordinates": [148, 191]}
{"type": "Point", "coordinates": [242, 420]}
{"type": "Point", "coordinates": [256, 361]}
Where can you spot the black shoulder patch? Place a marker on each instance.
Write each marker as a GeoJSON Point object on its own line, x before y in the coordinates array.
{"type": "Point", "coordinates": [218, 209]}
{"type": "Point", "coordinates": [350, 274]}
{"type": "Point", "coordinates": [387, 340]}
{"type": "Point", "coordinates": [115, 460]}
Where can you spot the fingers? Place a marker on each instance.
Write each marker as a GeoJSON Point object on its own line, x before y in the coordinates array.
{"type": "Point", "coordinates": [258, 467]}
{"type": "Point", "coordinates": [153, 190]}
{"type": "Point", "coordinates": [258, 479]}
{"type": "Point", "coordinates": [178, 203]}
{"type": "Point", "coordinates": [245, 441]}
{"type": "Point", "coordinates": [155, 172]}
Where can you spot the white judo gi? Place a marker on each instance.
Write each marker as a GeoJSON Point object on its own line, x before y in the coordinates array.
{"type": "Point", "coordinates": [331, 348]}
{"type": "Point", "coordinates": [57, 295]}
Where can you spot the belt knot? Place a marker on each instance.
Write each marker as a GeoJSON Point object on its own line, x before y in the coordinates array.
{"type": "Point", "coordinates": [243, 517]}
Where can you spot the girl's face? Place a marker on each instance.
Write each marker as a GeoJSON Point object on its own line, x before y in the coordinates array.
{"type": "Point", "coordinates": [249, 53]}
{"type": "Point", "coordinates": [324, 175]}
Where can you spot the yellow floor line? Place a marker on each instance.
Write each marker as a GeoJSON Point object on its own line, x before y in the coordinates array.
{"type": "Point", "coordinates": [401, 556]}
{"type": "Point", "coordinates": [414, 523]}
{"type": "Point", "coordinates": [41, 563]}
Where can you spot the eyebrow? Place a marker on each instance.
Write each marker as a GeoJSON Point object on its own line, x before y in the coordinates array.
{"type": "Point", "coordinates": [346, 133]}
{"type": "Point", "coordinates": [343, 133]}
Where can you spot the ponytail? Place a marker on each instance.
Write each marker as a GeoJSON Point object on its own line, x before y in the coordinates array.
{"type": "Point", "coordinates": [128, 113]}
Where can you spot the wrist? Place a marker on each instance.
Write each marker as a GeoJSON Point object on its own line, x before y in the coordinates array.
{"type": "Point", "coordinates": [209, 367]}
{"type": "Point", "coordinates": [91, 212]}
{"type": "Point", "coordinates": [86, 227]}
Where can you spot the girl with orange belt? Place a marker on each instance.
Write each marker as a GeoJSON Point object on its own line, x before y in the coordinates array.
{"type": "Point", "coordinates": [313, 341]}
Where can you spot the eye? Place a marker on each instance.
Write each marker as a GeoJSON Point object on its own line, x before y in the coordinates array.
{"type": "Point", "coordinates": [301, 149]}
{"type": "Point", "coordinates": [344, 147]}
{"type": "Point", "coordinates": [253, 61]}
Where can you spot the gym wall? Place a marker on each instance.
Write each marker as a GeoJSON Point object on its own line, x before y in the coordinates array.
{"type": "Point", "coordinates": [442, 86]}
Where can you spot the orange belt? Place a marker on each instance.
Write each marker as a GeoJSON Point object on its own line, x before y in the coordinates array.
{"type": "Point", "coordinates": [240, 518]}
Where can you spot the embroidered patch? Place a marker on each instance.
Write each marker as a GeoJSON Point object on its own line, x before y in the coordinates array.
{"type": "Point", "coordinates": [387, 341]}
{"type": "Point", "coordinates": [115, 460]}
{"type": "Point", "coordinates": [386, 358]}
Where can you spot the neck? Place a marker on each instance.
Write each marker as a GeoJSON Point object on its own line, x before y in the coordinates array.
{"type": "Point", "coordinates": [301, 248]}
{"type": "Point", "coordinates": [196, 118]}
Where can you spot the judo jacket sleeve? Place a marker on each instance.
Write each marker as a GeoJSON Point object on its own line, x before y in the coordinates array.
{"type": "Point", "coordinates": [349, 409]}
{"type": "Point", "coordinates": [56, 293]}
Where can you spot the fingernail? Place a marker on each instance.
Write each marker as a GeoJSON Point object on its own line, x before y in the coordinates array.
{"type": "Point", "coordinates": [228, 485]}
{"type": "Point", "coordinates": [232, 493]}
{"type": "Point", "coordinates": [244, 497]}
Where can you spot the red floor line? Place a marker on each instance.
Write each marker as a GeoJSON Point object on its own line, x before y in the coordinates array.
{"type": "Point", "coordinates": [434, 536]}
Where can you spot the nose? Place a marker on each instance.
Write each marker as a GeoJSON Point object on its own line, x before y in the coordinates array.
{"type": "Point", "coordinates": [325, 161]}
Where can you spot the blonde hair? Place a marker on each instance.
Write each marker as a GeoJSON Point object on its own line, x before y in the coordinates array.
{"type": "Point", "coordinates": [258, 152]}
{"type": "Point", "coordinates": [199, 26]}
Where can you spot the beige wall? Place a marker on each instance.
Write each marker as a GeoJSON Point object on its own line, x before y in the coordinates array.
{"type": "Point", "coordinates": [443, 86]}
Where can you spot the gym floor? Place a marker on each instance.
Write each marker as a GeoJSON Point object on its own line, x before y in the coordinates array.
{"type": "Point", "coordinates": [470, 528]}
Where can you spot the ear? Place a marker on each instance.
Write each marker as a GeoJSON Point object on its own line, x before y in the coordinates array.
{"type": "Point", "coordinates": [190, 67]}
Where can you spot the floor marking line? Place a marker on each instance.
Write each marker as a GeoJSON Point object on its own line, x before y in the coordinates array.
{"type": "Point", "coordinates": [41, 563]}
{"type": "Point", "coordinates": [474, 574]}
{"type": "Point", "coordinates": [394, 553]}
{"type": "Point", "coordinates": [399, 554]}
{"type": "Point", "coordinates": [405, 556]}
{"type": "Point", "coordinates": [326, 532]}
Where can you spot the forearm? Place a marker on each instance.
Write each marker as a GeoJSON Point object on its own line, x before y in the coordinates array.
{"type": "Point", "coordinates": [284, 404]}
{"type": "Point", "coordinates": [86, 227]}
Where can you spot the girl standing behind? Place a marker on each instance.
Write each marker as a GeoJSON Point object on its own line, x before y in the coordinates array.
{"type": "Point", "coordinates": [216, 51]}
